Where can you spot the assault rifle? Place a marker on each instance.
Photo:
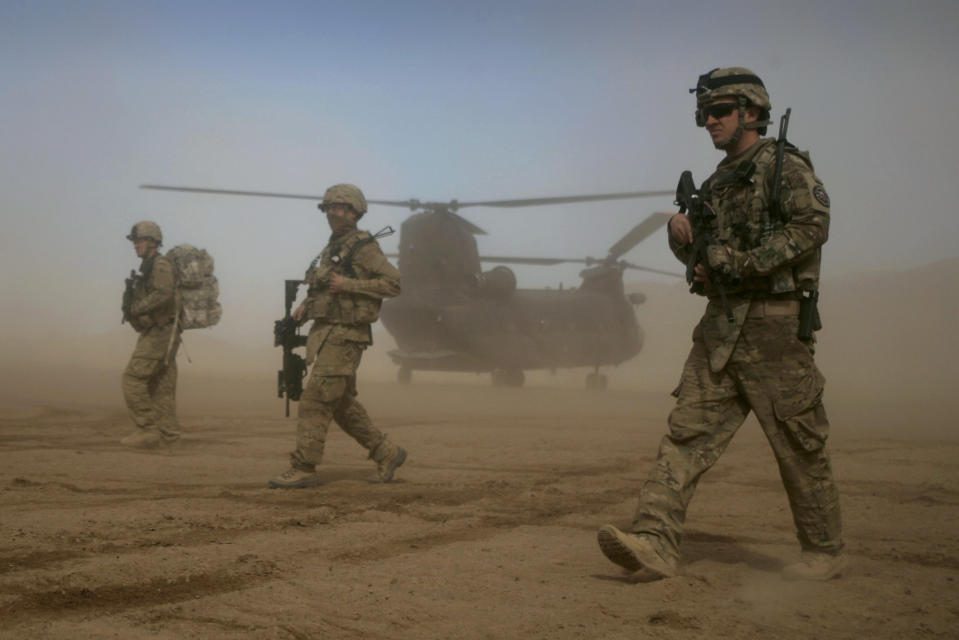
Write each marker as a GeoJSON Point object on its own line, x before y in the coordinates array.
{"type": "Point", "coordinates": [809, 320]}
{"type": "Point", "coordinates": [691, 203]}
{"type": "Point", "coordinates": [289, 379]}
{"type": "Point", "coordinates": [128, 296]}
{"type": "Point", "coordinates": [773, 218]}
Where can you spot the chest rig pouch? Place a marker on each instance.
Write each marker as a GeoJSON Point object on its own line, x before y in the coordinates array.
{"type": "Point", "coordinates": [341, 307]}
{"type": "Point", "coordinates": [741, 198]}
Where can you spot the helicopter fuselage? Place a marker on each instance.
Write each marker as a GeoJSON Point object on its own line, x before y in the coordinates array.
{"type": "Point", "coordinates": [447, 330]}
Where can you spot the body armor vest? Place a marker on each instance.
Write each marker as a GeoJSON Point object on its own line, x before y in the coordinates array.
{"type": "Point", "coordinates": [740, 196]}
{"type": "Point", "coordinates": [342, 307]}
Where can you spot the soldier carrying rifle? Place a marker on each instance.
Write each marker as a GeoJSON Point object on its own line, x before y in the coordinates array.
{"type": "Point", "coordinates": [346, 286]}
{"type": "Point", "coordinates": [754, 252]}
{"type": "Point", "coordinates": [151, 306]}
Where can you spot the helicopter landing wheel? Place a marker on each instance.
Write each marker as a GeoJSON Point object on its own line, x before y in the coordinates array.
{"type": "Point", "coordinates": [508, 378]}
{"type": "Point", "coordinates": [404, 375]}
{"type": "Point", "coordinates": [596, 381]}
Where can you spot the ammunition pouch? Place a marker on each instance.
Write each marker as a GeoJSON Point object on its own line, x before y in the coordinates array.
{"type": "Point", "coordinates": [342, 308]}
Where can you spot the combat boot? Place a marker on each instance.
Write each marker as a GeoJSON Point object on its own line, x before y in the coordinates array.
{"type": "Point", "coordinates": [634, 553]}
{"type": "Point", "coordinates": [815, 566]}
{"type": "Point", "coordinates": [388, 458]}
{"type": "Point", "coordinates": [294, 478]}
{"type": "Point", "coordinates": [143, 439]}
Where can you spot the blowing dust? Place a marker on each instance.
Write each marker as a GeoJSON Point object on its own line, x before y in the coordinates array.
{"type": "Point", "coordinates": [890, 364]}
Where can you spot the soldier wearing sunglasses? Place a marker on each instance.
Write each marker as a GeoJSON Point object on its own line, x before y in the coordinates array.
{"type": "Point", "coordinates": [758, 362]}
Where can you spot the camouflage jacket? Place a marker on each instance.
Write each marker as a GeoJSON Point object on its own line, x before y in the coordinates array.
{"type": "Point", "coordinates": [368, 277]}
{"type": "Point", "coordinates": [154, 302]}
{"type": "Point", "coordinates": [784, 262]}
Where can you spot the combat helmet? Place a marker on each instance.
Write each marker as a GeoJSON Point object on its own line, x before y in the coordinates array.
{"type": "Point", "coordinates": [735, 82]}
{"type": "Point", "coordinates": [345, 194]}
{"type": "Point", "coordinates": [146, 229]}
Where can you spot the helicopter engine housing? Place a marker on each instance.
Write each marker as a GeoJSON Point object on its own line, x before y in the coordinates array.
{"type": "Point", "coordinates": [498, 283]}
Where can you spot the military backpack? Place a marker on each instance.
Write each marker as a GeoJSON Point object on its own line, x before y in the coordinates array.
{"type": "Point", "coordinates": [197, 287]}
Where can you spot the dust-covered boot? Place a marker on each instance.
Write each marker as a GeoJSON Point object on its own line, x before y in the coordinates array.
{"type": "Point", "coordinates": [634, 553]}
{"type": "Point", "coordinates": [294, 478]}
{"type": "Point", "coordinates": [143, 439]}
{"type": "Point", "coordinates": [388, 458]}
{"type": "Point", "coordinates": [815, 566]}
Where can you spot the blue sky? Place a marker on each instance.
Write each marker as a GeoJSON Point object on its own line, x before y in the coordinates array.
{"type": "Point", "coordinates": [440, 100]}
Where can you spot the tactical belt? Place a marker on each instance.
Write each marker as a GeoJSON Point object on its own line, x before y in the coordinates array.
{"type": "Point", "coordinates": [767, 308]}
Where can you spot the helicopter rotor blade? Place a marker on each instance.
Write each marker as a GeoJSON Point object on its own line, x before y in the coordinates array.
{"type": "Point", "coordinates": [527, 202]}
{"type": "Point", "coordinates": [638, 233]}
{"type": "Point", "coordinates": [414, 204]}
{"type": "Point", "coordinates": [630, 265]}
{"type": "Point", "coordinates": [411, 204]}
{"type": "Point", "coordinates": [229, 192]}
{"type": "Point", "coordinates": [587, 261]}
{"type": "Point", "coordinates": [524, 260]}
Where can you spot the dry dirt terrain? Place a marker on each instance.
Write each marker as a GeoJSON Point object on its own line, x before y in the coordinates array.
{"type": "Point", "coordinates": [488, 532]}
{"type": "Point", "coordinates": [490, 528]}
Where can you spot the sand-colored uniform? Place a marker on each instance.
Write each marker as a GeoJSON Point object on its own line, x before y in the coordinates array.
{"type": "Point", "coordinates": [337, 339]}
{"type": "Point", "coordinates": [756, 363]}
{"type": "Point", "coordinates": [149, 381]}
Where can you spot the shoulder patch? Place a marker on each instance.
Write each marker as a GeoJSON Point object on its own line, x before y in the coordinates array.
{"type": "Point", "coordinates": [820, 194]}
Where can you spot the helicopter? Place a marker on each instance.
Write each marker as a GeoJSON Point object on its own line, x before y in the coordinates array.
{"type": "Point", "coordinates": [453, 316]}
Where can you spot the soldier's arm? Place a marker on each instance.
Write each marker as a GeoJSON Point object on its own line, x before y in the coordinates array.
{"type": "Point", "coordinates": [383, 280]}
{"type": "Point", "coordinates": [162, 287]}
{"type": "Point", "coordinates": [806, 207]}
{"type": "Point", "coordinates": [677, 234]}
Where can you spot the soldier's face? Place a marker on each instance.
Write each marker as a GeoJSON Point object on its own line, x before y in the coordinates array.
{"type": "Point", "coordinates": [722, 120]}
{"type": "Point", "coordinates": [144, 247]}
{"type": "Point", "coordinates": [340, 217]}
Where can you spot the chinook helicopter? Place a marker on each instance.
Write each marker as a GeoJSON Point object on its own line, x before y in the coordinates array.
{"type": "Point", "coordinates": [453, 316]}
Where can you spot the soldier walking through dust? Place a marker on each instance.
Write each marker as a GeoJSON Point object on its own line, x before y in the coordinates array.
{"type": "Point", "coordinates": [756, 362]}
{"type": "Point", "coordinates": [347, 283]}
{"type": "Point", "coordinates": [151, 305]}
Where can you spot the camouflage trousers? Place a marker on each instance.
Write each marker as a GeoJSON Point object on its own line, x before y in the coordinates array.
{"type": "Point", "coordinates": [149, 385]}
{"type": "Point", "coordinates": [327, 398]}
{"type": "Point", "coordinates": [772, 373]}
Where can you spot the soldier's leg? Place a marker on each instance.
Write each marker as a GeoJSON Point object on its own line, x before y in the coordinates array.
{"type": "Point", "coordinates": [785, 392]}
{"type": "Point", "coordinates": [317, 405]}
{"type": "Point", "coordinates": [322, 393]}
{"type": "Point", "coordinates": [137, 383]}
{"type": "Point", "coordinates": [354, 420]}
{"type": "Point", "coordinates": [708, 412]}
{"type": "Point", "coordinates": [164, 401]}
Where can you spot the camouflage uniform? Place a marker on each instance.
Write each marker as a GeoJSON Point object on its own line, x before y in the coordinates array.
{"type": "Point", "coordinates": [149, 381]}
{"type": "Point", "coordinates": [756, 363]}
{"type": "Point", "coordinates": [340, 333]}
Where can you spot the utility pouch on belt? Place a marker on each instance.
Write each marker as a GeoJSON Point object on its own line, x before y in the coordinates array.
{"type": "Point", "coordinates": [809, 320]}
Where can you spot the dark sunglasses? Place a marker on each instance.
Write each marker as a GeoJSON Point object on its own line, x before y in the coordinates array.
{"type": "Point", "coordinates": [718, 111]}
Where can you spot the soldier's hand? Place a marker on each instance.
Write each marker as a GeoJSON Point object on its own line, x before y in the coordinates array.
{"type": "Point", "coordinates": [299, 313]}
{"type": "Point", "coordinates": [700, 274]}
{"type": "Point", "coordinates": [336, 282]}
{"type": "Point", "coordinates": [728, 261]}
{"type": "Point", "coordinates": [680, 230]}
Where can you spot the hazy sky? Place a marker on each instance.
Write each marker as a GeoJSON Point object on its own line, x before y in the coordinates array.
{"type": "Point", "coordinates": [438, 100]}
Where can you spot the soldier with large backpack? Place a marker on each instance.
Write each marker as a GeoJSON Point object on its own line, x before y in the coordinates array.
{"type": "Point", "coordinates": [151, 306]}
{"type": "Point", "coordinates": [172, 292]}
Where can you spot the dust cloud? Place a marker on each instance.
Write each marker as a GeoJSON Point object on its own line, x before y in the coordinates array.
{"type": "Point", "coordinates": [489, 529]}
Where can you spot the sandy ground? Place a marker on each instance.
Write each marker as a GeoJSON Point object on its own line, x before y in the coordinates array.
{"type": "Point", "coordinates": [488, 532]}
{"type": "Point", "coordinates": [490, 529]}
